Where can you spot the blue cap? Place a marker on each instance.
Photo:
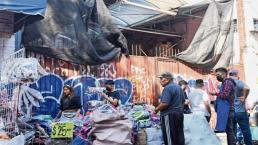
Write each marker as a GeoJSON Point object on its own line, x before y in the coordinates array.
{"type": "Point", "coordinates": [233, 72]}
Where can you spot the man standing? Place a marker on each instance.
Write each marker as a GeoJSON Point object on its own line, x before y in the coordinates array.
{"type": "Point", "coordinates": [171, 111]}
{"type": "Point", "coordinates": [241, 116]}
{"type": "Point", "coordinates": [199, 100]}
{"type": "Point", "coordinates": [184, 85]}
{"type": "Point", "coordinates": [225, 105]}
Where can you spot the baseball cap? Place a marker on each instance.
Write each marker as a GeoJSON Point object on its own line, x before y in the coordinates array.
{"type": "Point", "coordinates": [166, 75]}
{"type": "Point", "coordinates": [233, 72]}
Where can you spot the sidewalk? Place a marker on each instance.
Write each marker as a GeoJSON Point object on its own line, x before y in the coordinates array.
{"type": "Point", "coordinates": [222, 137]}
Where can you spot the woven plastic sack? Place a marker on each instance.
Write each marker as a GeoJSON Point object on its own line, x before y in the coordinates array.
{"type": "Point", "coordinates": [142, 137]}
{"type": "Point", "coordinates": [154, 134]}
{"type": "Point", "coordinates": [18, 140]}
{"type": "Point", "coordinates": [106, 113]}
{"type": "Point", "coordinates": [114, 132]}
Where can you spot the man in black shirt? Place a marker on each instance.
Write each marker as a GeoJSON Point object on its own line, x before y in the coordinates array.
{"type": "Point", "coordinates": [111, 96]}
{"type": "Point", "coordinates": [183, 84]}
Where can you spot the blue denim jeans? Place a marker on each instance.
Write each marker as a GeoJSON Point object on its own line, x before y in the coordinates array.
{"type": "Point", "coordinates": [242, 119]}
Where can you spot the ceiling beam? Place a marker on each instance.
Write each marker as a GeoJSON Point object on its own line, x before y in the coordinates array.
{"type": "Point", "coordinates": [149, 8]}
{"type": "Point", "coordinates": [151, 32]}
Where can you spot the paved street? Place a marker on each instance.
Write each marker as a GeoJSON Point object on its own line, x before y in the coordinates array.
{"type": "Point", "coordinates": [223, 138]}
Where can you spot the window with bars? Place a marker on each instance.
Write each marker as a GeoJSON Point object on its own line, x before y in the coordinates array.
{"type": "Point", "coordinates": [235, 25]}
{"type": "Point", "coordinates": [255, 24]}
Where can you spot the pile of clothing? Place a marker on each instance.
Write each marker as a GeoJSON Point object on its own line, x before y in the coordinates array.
{"type": "Point", "coordinates": [143, 116]}
{"type": "Point", "coordinates": [111, 127]}
{"type": "Point", "coordinates": [32, 131]}
{"type": "Point", "coordinates": [146, 124]}
{"type": "Point", "coordinates": [36, 129]}
{"type": "Point", "coordinates": [125, 125]}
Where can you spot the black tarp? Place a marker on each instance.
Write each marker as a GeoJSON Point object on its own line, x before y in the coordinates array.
{"type": "Point", "coordinates": [79, 31]}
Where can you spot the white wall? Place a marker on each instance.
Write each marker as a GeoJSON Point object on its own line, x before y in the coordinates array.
{"type": "Point", "coordinates": [250, 56]}
{"type": "Point", "coordinates": [7, 47]}
{"type": "Point", "coordinates": [236, 48]}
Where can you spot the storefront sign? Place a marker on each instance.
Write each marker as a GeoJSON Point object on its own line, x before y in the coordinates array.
{"type": "Point", "coordinates": [62, 130]}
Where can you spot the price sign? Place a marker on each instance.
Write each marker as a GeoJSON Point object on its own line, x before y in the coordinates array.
{"type": "Point", "coordinates": [62, 130]}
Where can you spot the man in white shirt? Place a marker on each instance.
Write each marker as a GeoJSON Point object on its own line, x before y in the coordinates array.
{"type": "Point", "coordinates": [199, 100]}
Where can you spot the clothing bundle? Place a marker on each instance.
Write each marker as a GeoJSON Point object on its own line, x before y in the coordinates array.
{"type": "Point", "coordinates": [102, 125]}
{"type": "Point", "coordinates": [28, 98]}
{"type": "Point", "coordinates": [143, 116]}
{"type": "Point", "coordinates": [111, 127]}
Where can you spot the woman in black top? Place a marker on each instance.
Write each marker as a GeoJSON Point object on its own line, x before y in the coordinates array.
{"type": "Point", "coordinates": [69, 102]}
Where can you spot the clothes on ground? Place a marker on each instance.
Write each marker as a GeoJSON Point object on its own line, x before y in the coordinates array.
{"type": "Point", "coordinates": [70, 117]}
{"type": "Point", "coordinates": [112, 129]}
{"type": "Point", "coordinates": [79, 141]}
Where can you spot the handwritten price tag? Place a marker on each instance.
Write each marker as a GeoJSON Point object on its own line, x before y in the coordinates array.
{"type": "Point", "coordinates": [62, 130]}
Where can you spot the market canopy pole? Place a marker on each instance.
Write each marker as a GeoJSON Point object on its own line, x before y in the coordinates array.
{"type": "Point", "coordinates": [151, 32]}
{"type": "Point", "coordinates": [150, 8]}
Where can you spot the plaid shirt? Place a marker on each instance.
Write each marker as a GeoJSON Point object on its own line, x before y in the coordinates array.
{"type": "Point", "coordinates": [227, 91]}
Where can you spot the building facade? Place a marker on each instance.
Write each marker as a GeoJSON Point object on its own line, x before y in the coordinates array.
{"type": "Point", "coordinates": [246, 44]}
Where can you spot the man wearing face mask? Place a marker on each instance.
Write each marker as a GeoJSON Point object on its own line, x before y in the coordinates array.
{"type": "Point", "coordinates": [111, 96]}
{"type": "Point", "coordinates": [225, 105]}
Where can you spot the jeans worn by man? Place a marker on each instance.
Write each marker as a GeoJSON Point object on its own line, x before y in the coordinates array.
{"type": "Point", "coordinates": [227, 93]}
{"type": "Point", "coordinates": [241, 116]}
{"type": "Point", "coordinates": [242, 119]}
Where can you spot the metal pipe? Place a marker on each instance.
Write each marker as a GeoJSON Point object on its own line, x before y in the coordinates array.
{"type": "Point", "coordinates": [143, 51]}
{"type": "Point", "coordinates": [132, 49]}
{"type": "Point", "coordinates": [151, 32]}
{"type": "Point", "coordinates": [150, 8]}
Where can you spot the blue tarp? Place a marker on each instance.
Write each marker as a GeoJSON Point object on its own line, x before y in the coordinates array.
{"type": "Point", "coordinates": [128, 15]}
{"type": "Point", "coordinates": [25, 11]}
